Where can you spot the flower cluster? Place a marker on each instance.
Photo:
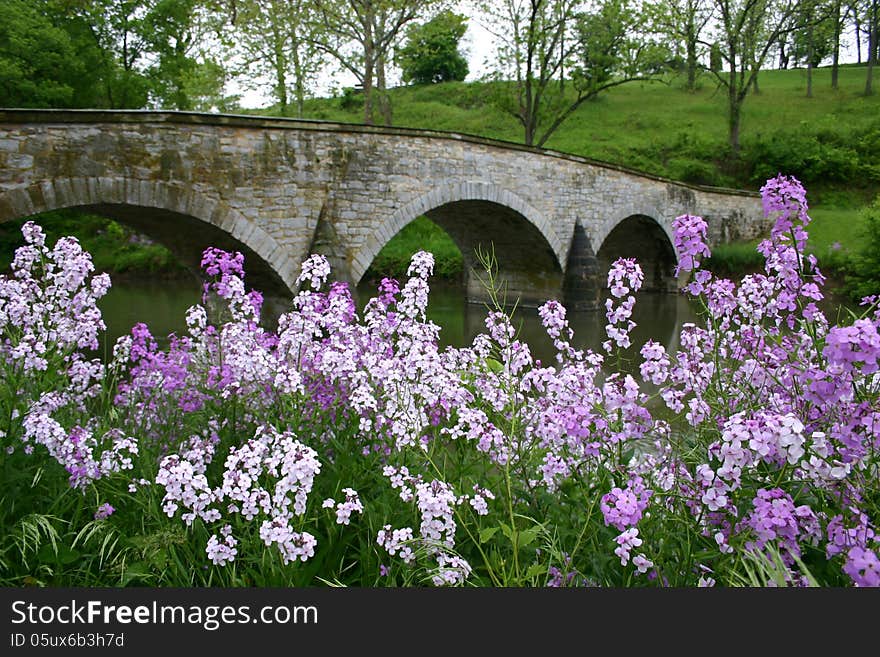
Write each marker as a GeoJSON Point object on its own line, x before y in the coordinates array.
{"type": "Point", "coordinates": [268, 478]}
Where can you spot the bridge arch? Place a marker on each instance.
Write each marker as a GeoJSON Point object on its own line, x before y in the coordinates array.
{"type": "Point", "coordinates": [424, 204]}
{"type": "Point", "coordinates": [179, 217]}
{"type": "Point", "coordinates": [641, 236]}
{"type": "Point", "coordinates": [480, 214]}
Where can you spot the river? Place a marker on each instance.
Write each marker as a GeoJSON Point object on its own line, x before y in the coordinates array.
{"type": "Point", "coordinates": [162, 306]}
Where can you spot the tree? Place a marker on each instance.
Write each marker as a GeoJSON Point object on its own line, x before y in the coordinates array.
{"type": "Point", "coordinates": [183, 74]}
{"type": "Point", "coordinates": [683, 21]}
{"type": "Point", "coordinates": [106, 53]}
{"type": "Point", "coordinates": [852, 9]}
{"type": "Point", "coordinates": [37, 63]}
{"type": "Point", "coordinates": [837, 19]}
{"type": "Point", "coordinates": [117, 31]}
{"type": "Point", "coordinates": [275, 39]}
{"type": "Point", "coordinates": [361, 35]}
{"type": "Point", "coordinates": [554, 55]}
{"type": "Point", "coordinates": [431, 53]}
{"type": "Point", "coordinates": [73, 53]}
{"type": "Point", "coordinates": [747, 30]}
{"type": "Point", "coordinates": [814, 31]}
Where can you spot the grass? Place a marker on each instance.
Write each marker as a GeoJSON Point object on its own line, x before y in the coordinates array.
{"type": "Point", "coordinates": [421, 234]}
{"type": "Point", "coordinates": [836, 235]}
{"type": "Point", "coordinates": [658, 127]}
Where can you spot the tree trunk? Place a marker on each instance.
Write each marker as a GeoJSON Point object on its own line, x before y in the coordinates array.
{"type": "Point", "coordinates": [691, 59]}
{"type": "Point", "coordinates": [692, 64]}
{"type": "Point", "coordinates": [280, 64]}
{"type": "Point", "coordinates": [734, 105]}
{"type": "Point", "coordinates": [810, 75]}
{"type": "Point", "coordinates": [299, 82]}
{"type": "Point", "coordinates": [872, 49]}
{"type": "Point", "coordinates": [529, 137]}
{"type": "Point", "coordinates": [369, 71]}
{"type": "Point", "coordinates": [384, 100]}
{"type": "Point", "coordinates": [869, 89]}
{"type": "Point", "coordinates": [857, 24]}
{"type": "Point", "coordinates": [835, 62]}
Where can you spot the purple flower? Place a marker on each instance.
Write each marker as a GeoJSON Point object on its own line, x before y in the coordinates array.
{"type": "Point", "coordinates": [624, 508]}
{"type": "Point", "coordinates": [863, 566]}
{"type": "Point", "coordinates": [104, 511]}
{"type": "Point", "coordinates": [689, 238]}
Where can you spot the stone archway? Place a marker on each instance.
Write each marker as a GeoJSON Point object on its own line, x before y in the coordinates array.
{"type": "Point", "coordinates": [179, 218]}
{"type": "Point", "coordinates": [478, 216]}
{"type": "Point", "coordinates": [641, 237]}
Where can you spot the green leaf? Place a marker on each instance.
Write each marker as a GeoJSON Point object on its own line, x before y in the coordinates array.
{"type": "Point", "coordinates": [528, 536]}
{"type": "Point", "coordinates": [136, 571]}
{"type": "Point", "coordinates": [487, 534]}
{"type": "Point", "coordinates": [536, 569]}
{"type": "Point", "coordinates": [507, 531]}
{"type": "Point", "coordinates": [66, 556]}
{"type": "Point", "coordinates": [494, 365]}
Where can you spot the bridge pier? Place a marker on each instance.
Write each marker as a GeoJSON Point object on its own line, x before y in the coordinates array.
{"type": "Point", "coordinates": [583, 278]}
{"type": "Point", "coordinates": [528, 288]}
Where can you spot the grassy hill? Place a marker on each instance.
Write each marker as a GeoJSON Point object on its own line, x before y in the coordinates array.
{"type": "Point", "coordinates": [661, 128]}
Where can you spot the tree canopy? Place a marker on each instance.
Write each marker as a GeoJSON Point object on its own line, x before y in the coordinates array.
{"type": "Point", "coordinates": [431, 53]}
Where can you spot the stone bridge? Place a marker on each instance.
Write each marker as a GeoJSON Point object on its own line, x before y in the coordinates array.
{"type": "Point", "coordinates": [280, 189]}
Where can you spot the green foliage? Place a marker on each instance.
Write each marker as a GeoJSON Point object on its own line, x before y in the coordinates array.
{"type": "Point", "coordinates": [813, 40]}
{"type": "Point", "coordinates": [431, 53]}
{"type": "Point", "coordinates": [864, 273]}
{"type": "Point", "coordinates": [38, 67]}
{"type": "Point", "coordinates": [421, 234]}
{"type": "Point", "coordinates": [610, 48]}
{"type": "Point", "coordinates": [698, 172]}
{"type": "Point", "coordinates": [351, 100]}
{"type": "Point", "coordinates": [555, 57]}
{"type": "Point", "coordinates": [178, 78]}
{"type": "Point", "coordinates": [805, 155]}
{"type": "Point", "coordinates": [106, 53]}
{"type": "Point", "coordinates": [115, 28]}
{"type": "Point", "coordinates": [115, 249]}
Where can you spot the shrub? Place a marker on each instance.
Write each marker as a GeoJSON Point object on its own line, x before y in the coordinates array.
{"type": "Point", "coordinates": [804, 155]}
{"type": "Point", "coordinates": [351, 99]}
{"type": "Point", "coordinates": [863, 277]}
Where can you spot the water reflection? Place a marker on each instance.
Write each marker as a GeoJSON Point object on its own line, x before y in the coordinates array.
{"type": "Point", "coordinates": [658, 317]}
{"type": "Point", "coordinates": [162, 306]}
